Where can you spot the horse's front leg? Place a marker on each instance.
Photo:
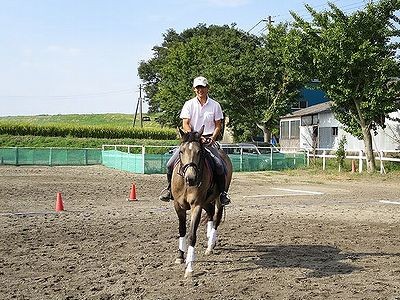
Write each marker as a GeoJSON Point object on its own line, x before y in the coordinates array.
{"type": "Point", "coordinates": [194, 224]}
{"type": "Point", "coordinates": [182, 233]}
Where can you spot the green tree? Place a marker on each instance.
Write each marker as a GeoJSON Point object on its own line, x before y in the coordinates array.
{"type": "Point", "coordinates": [249, 75]}
{"type": "Point", "coordinates": [281, 74]}
{"type": "Point", "coordinates": [354, 57]}
{"type": "Point", "coordinates": [223, 54]}
{"type": "Point", "coordinates": [341, 152]}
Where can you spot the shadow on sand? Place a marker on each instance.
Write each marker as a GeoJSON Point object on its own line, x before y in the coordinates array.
{"type": "Point", "coordinates": [320, 260]}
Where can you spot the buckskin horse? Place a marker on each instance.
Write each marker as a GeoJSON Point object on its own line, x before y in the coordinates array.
{"type": "Point", "coordinates": [194, 189]}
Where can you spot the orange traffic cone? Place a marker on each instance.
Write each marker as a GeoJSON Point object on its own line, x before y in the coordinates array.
{"type": "Point", "coordinates": [59, 203]}
{"type": "Point", "coordinates": [132, 196]}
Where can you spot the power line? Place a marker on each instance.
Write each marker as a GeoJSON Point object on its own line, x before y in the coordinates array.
{"type": "Point", "coordinates": [303, 13]}
{"type": "Point", "coordinates": [262, 20]}
{"type": "Point", "coordinates": [72, 96]}
{"type": "Point", "coordinates": [269, 20]}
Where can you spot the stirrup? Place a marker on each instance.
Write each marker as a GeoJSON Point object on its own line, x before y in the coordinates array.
{"type": "Point", "coordinates": [166, 195]}
{"type": "Point", "coordinates": [224, 199]}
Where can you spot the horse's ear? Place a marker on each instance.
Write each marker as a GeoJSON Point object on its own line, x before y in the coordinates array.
{"type": "Point", "coordinates": [201, 130]}
{"type": "Point", "coordinates": [181, 133]}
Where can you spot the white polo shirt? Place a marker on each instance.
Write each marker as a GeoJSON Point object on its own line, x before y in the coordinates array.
{"type": "Point", "coordinates": [199, 115]}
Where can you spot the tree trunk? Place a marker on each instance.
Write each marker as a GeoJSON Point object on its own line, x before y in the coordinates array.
{"type": "Point", "coordinates": [266, 132]}
{"type": "Point", "coordinates": [371, 165]}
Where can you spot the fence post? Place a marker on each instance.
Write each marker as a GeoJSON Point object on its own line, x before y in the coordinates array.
{"type": "Point", "coordinates": [241, 159]}
{"type": "Point", "coordinates": [360, 162]}
{"type": "Point", "coordinates": [381, 158]}
{"type": "Point", "coordinates": [305, 158]}
{"type": "Point", "coordinates": [272, 157]}
{"type": "Point", "coordinates": [50, 156]}
{"type": "Point", "coordinates": [16, 156]}
{"type": "Point", "coordinates": [143, 156]}
{"type": "Point", "coordinates": [323, 160]}
{"type": "Point", "coordinates": [85, 156]}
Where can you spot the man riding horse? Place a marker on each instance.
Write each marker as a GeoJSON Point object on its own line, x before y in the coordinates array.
{"type": "Point", "coordinates": [197, 112]}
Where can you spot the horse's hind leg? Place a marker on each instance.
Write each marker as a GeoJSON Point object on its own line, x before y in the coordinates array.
{"type": "Point", "coordinates": [211, 234]}
{"type": "Point", "coordinates": [210, 210]}
{"type": "Point", "coordinates": [212, 238]}
{"type": "Point", "coordinates": [218, 215]}
{"type": "Point", "coordinates": [182, 233]}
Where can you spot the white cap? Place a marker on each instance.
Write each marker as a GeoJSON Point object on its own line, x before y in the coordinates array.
{"type": "Point", "coordinates": [200, 81]}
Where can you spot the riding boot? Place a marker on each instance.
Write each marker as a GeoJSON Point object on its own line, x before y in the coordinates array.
{"type": "Point", "coordinates": [223, 197]}
{"type": "Point", "coordinates": [166, 194]}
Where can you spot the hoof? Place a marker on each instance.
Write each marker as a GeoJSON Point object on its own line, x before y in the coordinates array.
{"type": "Point", "coordinates": [179, 261]}
{"type": "Point", "coordinates": [188, 274]}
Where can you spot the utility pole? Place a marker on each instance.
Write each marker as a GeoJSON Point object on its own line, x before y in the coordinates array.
{"type": "Point", "coordinates": [139, 105]}
{"type": "Point", "coordinates": [270, 21]}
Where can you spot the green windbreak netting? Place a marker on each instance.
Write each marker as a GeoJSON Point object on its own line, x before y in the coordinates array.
{"type": "Point", "coordinates": [276, 161]}
{"type": "Point", "coordinates": [139, 162]}
{"type": "Point", "coordinates": [136, 163]}
{"type": "Point", "coordinates": [155, 163]}
{"type": "Point", "coordinates": [49, 156]}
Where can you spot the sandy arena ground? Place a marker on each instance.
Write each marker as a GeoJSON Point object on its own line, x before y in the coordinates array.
{"type": "Point", "coordinates": [284, 237]}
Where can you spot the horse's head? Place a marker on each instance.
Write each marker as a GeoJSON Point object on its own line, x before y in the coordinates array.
{"type": "Point", "coordinates": [191, 154]}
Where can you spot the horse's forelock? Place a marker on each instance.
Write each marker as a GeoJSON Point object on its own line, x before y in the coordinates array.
{"type": "Point", "coordinates": [191, 137]}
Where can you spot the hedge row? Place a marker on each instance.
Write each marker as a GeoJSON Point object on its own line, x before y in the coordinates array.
{"type": "Point", "coordinates": [101, 132]}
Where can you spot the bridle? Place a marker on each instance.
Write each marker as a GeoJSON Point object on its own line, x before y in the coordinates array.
{"type": "Point", "coordinates": [198, 168]}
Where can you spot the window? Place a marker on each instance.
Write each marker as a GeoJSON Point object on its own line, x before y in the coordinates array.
{"type": "Point", "coordinates": [290, 129]}
{"type": "Point", "coordinates": [301, 104]}
{"type": "Point", "coordinates": [306, 121]}
{"type": "Point", "coordinates": [284, 129]}
{"type": "Point", "coordinates": [309, 120]}
{"type": "Point", "coordinates": [315, 132]}
{"type": "Point", "coordinates": [335, 131]}
{"type": "Point", "coordinates": [314, 119]}
{"type": "Point", "coordinates": [295, 129]}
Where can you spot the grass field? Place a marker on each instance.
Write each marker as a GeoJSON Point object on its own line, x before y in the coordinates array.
{"type": "Point", "coordinates": [117, 120]}
{"type": "Point", "coordinates": [111, 120]}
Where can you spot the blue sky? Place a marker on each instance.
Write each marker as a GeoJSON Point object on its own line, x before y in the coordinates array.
{"type": "Point", "coordinates": [81, 56]}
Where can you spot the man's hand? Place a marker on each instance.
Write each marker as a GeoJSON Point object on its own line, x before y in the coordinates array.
{"type": "Point", "coordinates": [207, 141]}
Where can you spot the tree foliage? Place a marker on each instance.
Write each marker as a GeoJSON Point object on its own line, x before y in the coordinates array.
{"type": "Point", "coordinates": [354, 57]}
{"type": "Point", "coordinates": [281, 74]}
{"type": "Point", "coordinates": [249, 75]}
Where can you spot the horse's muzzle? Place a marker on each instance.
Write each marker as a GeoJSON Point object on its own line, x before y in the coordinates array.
{"type": "Point", "coordinates": [191, 177]}
{"type": "Point", "coordinates": [190, 173]}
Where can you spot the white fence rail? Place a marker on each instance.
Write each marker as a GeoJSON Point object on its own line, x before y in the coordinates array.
{"type": "Point", "coordinates": [355, 155]}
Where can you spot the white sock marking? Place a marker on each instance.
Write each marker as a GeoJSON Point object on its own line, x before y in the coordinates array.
{"type": "Point", "coordinates": [182, 244]}
{"type": "Point", "coordinates": [210, 225]}
{"type": "Point", "coordinates": [190, 255]}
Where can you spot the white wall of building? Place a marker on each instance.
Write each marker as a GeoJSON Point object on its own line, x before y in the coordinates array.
{"type": "Point", "coordinates": [388, 139]}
